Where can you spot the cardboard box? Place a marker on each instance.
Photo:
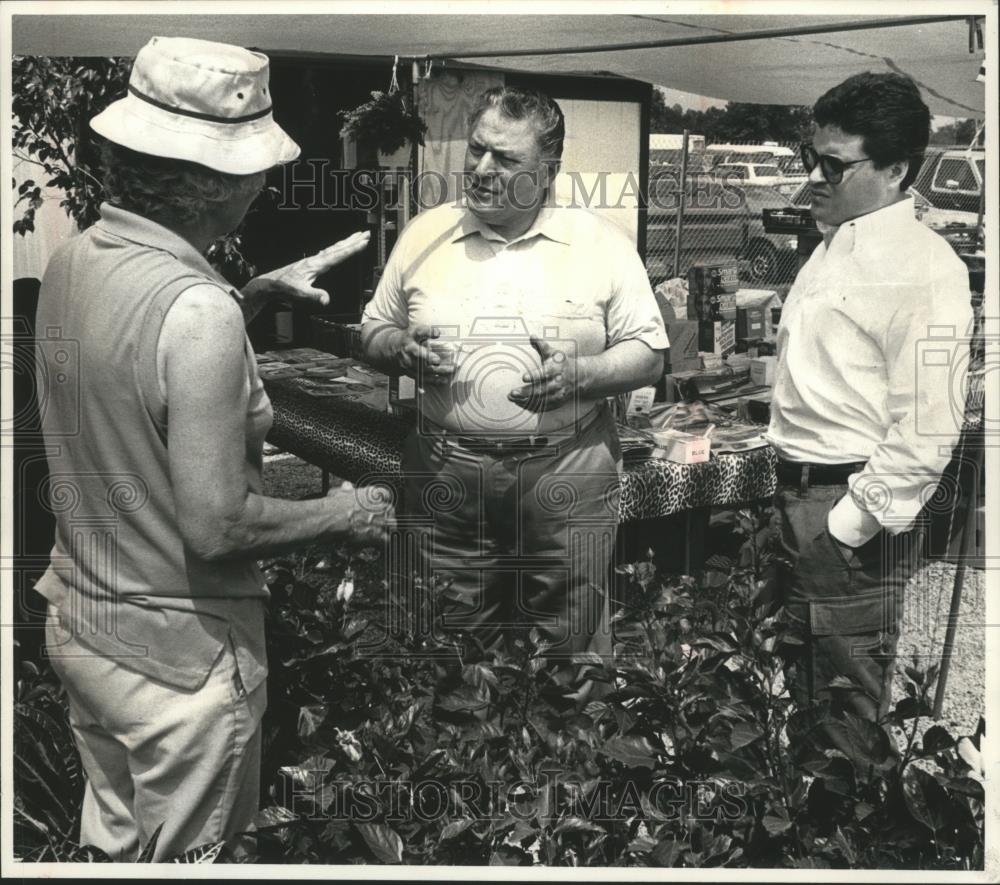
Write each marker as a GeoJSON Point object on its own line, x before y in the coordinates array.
{"type": "Point", "coordinates": [710, 362]}
{"type": "Point", "coordinates": [726, 309]}
{"type": "Point", "coordinates": [765, 299]}
{"type": "Point", "coordinates": [711, 291]}
{"type": "Point", "coordinates": [762, 347]}
{"type": "Point", "coordinates": [750, 322]}
{"type": "Point", "coordinates": [640, 401]}
{"type": "Point", "coordinates": [682, 448]}
{"type": "Point", "coordinates": [682, 355]}
{"type": "Point", "coordinates": [762, 370]}
{"type": "Point", "coordinates": [718, 336]}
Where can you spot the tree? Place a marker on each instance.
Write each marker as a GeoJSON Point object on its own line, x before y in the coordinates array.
{"type": "Point", "coordinates": [960, 132]}
{"type": "Point", "coordinates": [761, 122]}
{"type": "Point", "coordinates": [53, 99]}
{"type": "Point", "coordinates": [663, 117]}
{"type": "Point", "coordinates": [736, 122]}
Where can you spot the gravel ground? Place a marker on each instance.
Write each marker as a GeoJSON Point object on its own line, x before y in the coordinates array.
{"type": "Point", "coordinates": [928, 601]}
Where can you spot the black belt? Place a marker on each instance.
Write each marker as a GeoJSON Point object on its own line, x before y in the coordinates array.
{"type": "Point", "coordinates": [805, 474]}
{"type": "Point", "coordinates": [519, 444]}
{"type": "Point", "coordinates": [524, 443]}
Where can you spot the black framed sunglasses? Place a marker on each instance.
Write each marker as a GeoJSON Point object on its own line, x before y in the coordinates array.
{"type": "Point", "coordinates": [832, 168]}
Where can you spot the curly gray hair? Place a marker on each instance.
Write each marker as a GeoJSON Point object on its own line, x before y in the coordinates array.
{"type": "Point", "coordinates": [166, 189]}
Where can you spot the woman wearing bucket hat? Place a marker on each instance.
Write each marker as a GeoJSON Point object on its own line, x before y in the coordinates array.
{"type": "Point", "coordinates": [155, 419]}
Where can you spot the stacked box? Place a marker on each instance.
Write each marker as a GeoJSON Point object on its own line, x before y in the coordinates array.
{"type": "Point", "coordinates": [763, 347]}
{"type": "Point", "coordinates": [750, 323]}
{"type": "Point", "coordinates": [718, 337]}
{"type": "Point", "coordinates": [712, 291]}
{"type": "Point", "coordinates": [762, 370]}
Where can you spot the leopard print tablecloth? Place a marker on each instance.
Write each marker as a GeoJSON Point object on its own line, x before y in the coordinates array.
{"type": "Point", "coordinates": [355, 442]}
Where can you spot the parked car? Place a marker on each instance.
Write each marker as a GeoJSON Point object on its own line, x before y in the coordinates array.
{"type": "Point", "coordinates": [722, 220]}
{"type": "Point", "coordinates": [751, 173]}
{"type": "Point", "coordinates": [793, 174]}
{"type": "Point", "coordinates": [953, 179]}
{"type": "Point", "coordinates": [953, 224]}
{"type": "Point", "coordinates": [750, 153]}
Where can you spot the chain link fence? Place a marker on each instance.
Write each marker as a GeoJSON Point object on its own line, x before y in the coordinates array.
{"type": "Point", "coordinates": [725, 189]}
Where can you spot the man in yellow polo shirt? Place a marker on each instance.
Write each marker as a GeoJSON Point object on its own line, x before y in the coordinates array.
{"type": "Point", "coordinates": [518, 318]}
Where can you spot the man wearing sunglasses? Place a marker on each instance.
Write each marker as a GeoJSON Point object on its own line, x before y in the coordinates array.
{"type": "Point", "coordinates": [863, 423]}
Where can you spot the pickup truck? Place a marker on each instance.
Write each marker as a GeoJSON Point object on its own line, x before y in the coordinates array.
{"type": "Point", "coordinates": [722, 220]}
{"type": "Point", "coordinates": [953, 179]}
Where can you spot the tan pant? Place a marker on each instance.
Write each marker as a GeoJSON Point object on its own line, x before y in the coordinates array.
{"type": "Point", "coordinates": [154, 754]}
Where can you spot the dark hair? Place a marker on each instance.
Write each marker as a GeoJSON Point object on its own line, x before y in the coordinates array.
{"type": "Point", "coordinates": [886, 110]}
{"type": "Point", "coordinates": [519, 104]}
{"type": "Point", "coordinates": [165, 189]}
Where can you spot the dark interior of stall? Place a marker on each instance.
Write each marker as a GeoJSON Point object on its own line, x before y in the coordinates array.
{"type": "Point", "coordinates": [311, 208]}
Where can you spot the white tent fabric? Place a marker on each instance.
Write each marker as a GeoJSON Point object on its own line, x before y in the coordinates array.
{"type": "Point", "coordinates": [775, 70]}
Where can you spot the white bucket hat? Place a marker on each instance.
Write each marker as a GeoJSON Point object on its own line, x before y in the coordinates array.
{"type": "Point", "coordinates": [199, 101]}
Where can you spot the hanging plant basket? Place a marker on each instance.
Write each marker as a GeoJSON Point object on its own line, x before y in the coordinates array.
{"type": "Point", "coordinates": [383, 124]}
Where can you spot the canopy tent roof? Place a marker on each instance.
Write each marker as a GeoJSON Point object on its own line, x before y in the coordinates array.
{"type": "Point", "coordinates": [770, 70]}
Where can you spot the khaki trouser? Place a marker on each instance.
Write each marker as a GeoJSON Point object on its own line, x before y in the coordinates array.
{"type": "Point", "coordinates": [154, 754]}
{"type": "Point", "coordinates": [524, 538]}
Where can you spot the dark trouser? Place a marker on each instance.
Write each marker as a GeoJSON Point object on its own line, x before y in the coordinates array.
{"type": "Point", "coordinates": [846, 601]}
{"type": "Point", "coordinates": [524, 536]}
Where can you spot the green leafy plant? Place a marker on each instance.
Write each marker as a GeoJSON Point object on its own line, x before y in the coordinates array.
{"type": "Point", "coordinates": [389, 739]}
{"type": "Point", "coordinates": [385, 123]}
{"type": "Point", "coordinates": [53, 99]}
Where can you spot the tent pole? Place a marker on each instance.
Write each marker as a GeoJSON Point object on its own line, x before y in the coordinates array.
{"type": "Point", "coordinates": [965, 554]}
{"type": "Point", "coordinates": [680, 207]}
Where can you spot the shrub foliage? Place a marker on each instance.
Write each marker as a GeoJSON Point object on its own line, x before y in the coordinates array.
{"type": "Point", "coordinates": [389, 740]}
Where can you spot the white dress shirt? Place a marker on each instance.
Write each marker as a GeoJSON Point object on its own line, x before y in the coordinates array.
{"type": "Point", "coordinates": [872, 359]}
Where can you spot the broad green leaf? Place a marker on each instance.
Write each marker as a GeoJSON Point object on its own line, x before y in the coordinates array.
{"type": "Point", "coordinates": [667, 851]}
{"type": "Point", "coordinates": [635, 751]}
{"type": "Point", "coordinates": [207, 853]}
{"type": "Point", "coordinates": [146, 855]}
{"type": "Point", "coordinates": [383, 841]}
{"type": "Point", "coordinates": [573, 824]}
{"type": "Point", "coordinates": [311, 718]}
{"type": "Point", "coordinates": [745, 733]}
{"type": "Point", "coordinates": [510, 856]}
{"type": "Point", "coordinates": [274, 816]}
{"type": "Point", "coordinates": [455, 828]}
{"type": "Point", "coordinates": [936, 738]}
{"type": "Point", "coordinates": [776, 820]}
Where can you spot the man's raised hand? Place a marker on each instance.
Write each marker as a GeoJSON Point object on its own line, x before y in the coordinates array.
{"type": "Point", "coordinates": [296, 281]}
{"type": "Point", "coordinates": [555, 383]}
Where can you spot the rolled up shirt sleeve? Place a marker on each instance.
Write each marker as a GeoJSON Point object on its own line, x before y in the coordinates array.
{"type": "Point", "coordinates": [389, 303]}
{"type": "Point", "coordinates": [632, 312]}
{"type": "Point", "coordinates": [926, 347]}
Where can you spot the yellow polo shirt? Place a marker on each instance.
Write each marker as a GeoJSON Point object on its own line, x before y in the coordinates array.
{"type": "Point", "coordinates": [573, 278]}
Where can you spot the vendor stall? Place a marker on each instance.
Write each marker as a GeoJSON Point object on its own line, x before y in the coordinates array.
{"type": "Point", "coordinates": [357, 442]}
